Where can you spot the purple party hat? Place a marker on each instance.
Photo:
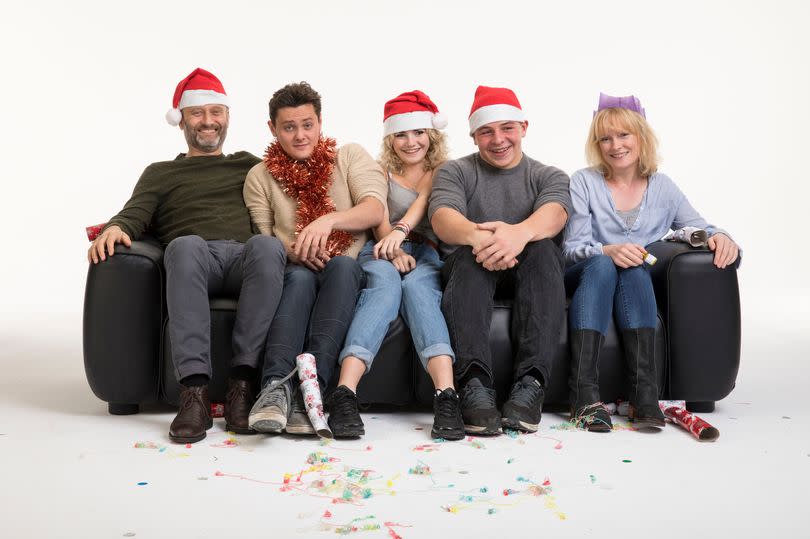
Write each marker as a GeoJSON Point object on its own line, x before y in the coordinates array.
{"type": "Point", "coordinates": [629, 102]}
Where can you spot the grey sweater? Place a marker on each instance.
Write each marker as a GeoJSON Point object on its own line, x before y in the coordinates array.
{"type": "Point", "coordinates": [482, 193]}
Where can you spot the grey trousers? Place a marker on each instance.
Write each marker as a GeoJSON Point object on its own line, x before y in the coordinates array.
{"type": "Point", "coordinates": [197, 269]}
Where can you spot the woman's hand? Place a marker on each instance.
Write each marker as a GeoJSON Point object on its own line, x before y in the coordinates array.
{"type": "Point", "coordinates": [387, 247]}
{"type": "Point", "coordinates": [725, 250]}
{"type": "Point", "coordinates": [404, 262]}
{"type": "Point", "coordinates": [625, 255]}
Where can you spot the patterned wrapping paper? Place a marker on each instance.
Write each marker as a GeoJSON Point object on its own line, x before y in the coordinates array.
{"type": "Point", "coordinates": [697, 427]}
{"type": "Point", "coordinates": [676, 412]}
{"type": "Point", "coordinates": [94, 231]}
{"type": "Point", "coordinates": [313, 401]}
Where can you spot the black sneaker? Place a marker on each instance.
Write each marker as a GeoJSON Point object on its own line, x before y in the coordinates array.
{"type": "Point", "coordinates": [478, 410]}
{"type": "Point", "coordinates": [344, 417]}
{"type": "Point", "coordinates": [447, 422]}
{"type": "Point", "coordinates": [523, 409]}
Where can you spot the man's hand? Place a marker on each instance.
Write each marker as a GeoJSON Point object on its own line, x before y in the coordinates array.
{"type": "Point", "coordinates": [387, 247]}
{"type": "Point", "coordinates": [316, 264]}
{"type": "Point", "coordinates": [625, 255]}
{"type": "Point", "coordinates": [725, 250]}
{"type": "Point", "coordinates": [500, 250]}
{"type": "Point", "coordinates": [312, 239]}
{"type": "Point", "coordinates": [404, 262]}
{"type": "Point", "coordinates": [105, 242]}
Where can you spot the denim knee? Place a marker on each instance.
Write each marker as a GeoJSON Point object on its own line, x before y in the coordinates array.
{"type": "Point", "coordinates": [183, 253]}
{"type": "Point", "coordinates": [602, 271]}
{"type": "Point", "coordinates": [343, 267]}
{"type": "Point", "coordinates": [635, 303]}
{"type": "Point", "coordinates": [543, 254]}
{"type": "Point", "coordinates": [265, 250]}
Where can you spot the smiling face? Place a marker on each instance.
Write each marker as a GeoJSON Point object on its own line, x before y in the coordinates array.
{"type": "Point", "coordinates": [620, 149]}
{"type": "Point", "coordinates": [499, 143]}
{"type": "Point", "coordinates": [411, 146]}
{"type": "Point", "coordinates": [297, 130]}
{"type": "Point", "coordinates": [205, 128]}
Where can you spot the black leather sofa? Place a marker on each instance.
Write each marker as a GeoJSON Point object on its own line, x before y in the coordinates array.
{"type": "Point", "coordinates": [127, 353]}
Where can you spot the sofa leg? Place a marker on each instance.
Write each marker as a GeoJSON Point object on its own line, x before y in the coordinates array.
{"type": "Point", "coordinates": [118, 408]}
{"type": "Point", "coordinates": [699, 407]}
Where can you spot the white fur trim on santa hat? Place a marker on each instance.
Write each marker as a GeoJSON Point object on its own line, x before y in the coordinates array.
{"type": "Point", "coordinates": [420, 119]}
{"type": "Point", "coordinates": [495, 113]}
{"type": "Point", "coordinates": [195, 98]}
{"type": "Point", "coordinates": [439, 121]}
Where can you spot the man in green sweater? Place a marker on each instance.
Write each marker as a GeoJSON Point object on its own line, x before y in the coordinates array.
{"type": "Point", "coordinates": [193, 205]}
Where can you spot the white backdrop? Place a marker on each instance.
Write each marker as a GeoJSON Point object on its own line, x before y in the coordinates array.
{"type": "Point", "coordinates": [86, 84]}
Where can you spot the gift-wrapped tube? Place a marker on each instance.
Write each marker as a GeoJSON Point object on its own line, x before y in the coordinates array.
{"type": "Point", "coordinates": [310, 389]}
{"type": "Point", "coordinates": [696, 426]}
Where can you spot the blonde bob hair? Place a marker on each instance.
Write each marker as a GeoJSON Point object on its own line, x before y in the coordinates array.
{"type": "Point", "coordinates": [622, 120]}
{"type": "Point", "coordinates": [435, 156]}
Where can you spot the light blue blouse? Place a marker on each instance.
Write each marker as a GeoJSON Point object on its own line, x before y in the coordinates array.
{"type": "Point", "coordinates": [594, 221]}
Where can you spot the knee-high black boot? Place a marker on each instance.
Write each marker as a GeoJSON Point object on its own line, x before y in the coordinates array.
{"type": "Point", "coordinates": [587, 409]}
{"type": "Point", "coordinates": [639, 352]}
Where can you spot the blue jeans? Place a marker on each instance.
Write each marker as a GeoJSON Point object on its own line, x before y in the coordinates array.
{"type": "Point", "coordinates": [312, 316]}
{"type": "Point", "coordinates": [601, 290]}
{"type": "Point", "coordinates": [416, 295]}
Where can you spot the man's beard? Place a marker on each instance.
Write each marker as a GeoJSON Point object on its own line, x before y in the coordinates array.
{"type": "Point", "coordinates": [196, 141]}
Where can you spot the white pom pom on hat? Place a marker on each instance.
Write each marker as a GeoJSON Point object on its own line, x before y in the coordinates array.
{"type": "Point", "coordinates": [200, 87]}
{"type": "Point", "coordinates": [173, 116]}
{"type": "Point", "coordinates": [439, 121]}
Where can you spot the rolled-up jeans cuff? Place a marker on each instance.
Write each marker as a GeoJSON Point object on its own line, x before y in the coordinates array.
{"type": "Point", "coordinates": [438, 349]}
{"type": "Point", "coordinates": [359, 352]}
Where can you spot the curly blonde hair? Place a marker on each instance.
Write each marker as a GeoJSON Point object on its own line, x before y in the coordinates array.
{"type": "Point", "coordinates": [622, 120]}
{"type": "Point", "coordinates": [435, 156]}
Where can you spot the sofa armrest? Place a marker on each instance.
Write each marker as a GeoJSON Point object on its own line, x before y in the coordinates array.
{"type": "Point", "coordinates": [123, 311]}
{"type": "Point", "coordinates": [701, 308]}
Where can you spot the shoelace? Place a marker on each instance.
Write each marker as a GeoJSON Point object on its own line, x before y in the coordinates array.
{"type": "Point", "coordinates": [236, 391]}
{"type": "Point", "coordinates": [479, 397]}
{"type": "Point", "coordinates": [187, 399]}
{"type": "Point", "coordinates": [446, 405]}
{"type": "Point", "coordinates": [526, 393]}
{"type": "Point", "coordinates": [343, 405]}
{"type": "Point", "coordinates": [298, 402]}
{"type": "Point", "coordinates": [270, 397]}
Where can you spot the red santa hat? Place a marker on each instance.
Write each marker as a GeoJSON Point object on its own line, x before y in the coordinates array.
{"type": "Point", "coordinates": [494, 105]}
{"type": "Point", "coordinates": [200, 87]}
{"type": "Point", "coordinates": [411, 110]}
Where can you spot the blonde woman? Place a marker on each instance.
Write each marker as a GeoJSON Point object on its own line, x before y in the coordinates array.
{"type": "Point", "coordinates": [402, 269]}
{"type": "Point", "coordinates": [620, 205]}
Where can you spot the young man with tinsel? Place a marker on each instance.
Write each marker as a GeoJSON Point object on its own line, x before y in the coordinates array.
{"type": "Point", "coordinates": [320, 201]}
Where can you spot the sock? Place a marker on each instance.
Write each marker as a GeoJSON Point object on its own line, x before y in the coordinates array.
{"type": "Point", "coordinates": [242, 372]}
{"type": "Point", "coordinates": [535, 373]}
{"type": "Point", "coordinates": [195, 380]}
{"type": "Point", "coordinates": [474, 371]}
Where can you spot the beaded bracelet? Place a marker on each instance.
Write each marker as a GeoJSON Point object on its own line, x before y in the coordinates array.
{"type": "Point", "coordinates": [403, 227]}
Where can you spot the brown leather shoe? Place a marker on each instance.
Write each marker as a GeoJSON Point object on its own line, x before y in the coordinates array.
{"type": "Point", "coordinates": [194, 416]}
{"type": "Point", "coordinates": [238, 402]}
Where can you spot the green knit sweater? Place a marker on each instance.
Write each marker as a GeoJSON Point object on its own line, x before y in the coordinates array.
{"type": "Point", "coordinates": [199, 196]}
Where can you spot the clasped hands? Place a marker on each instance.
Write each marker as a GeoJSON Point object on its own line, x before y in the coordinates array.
{"type": "Point", "coordinates": [496, 244]}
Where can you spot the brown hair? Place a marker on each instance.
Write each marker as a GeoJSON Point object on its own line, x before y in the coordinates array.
{"type": "Point", "coordinates": [294, 95]}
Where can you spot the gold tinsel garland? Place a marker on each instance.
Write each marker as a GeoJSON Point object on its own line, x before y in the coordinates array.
{"type": "Point", "coordinates": [308, 182]}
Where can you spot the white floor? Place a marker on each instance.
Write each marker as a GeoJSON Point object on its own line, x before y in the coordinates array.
{"type": "Point", "coordinates": [67, 469]}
